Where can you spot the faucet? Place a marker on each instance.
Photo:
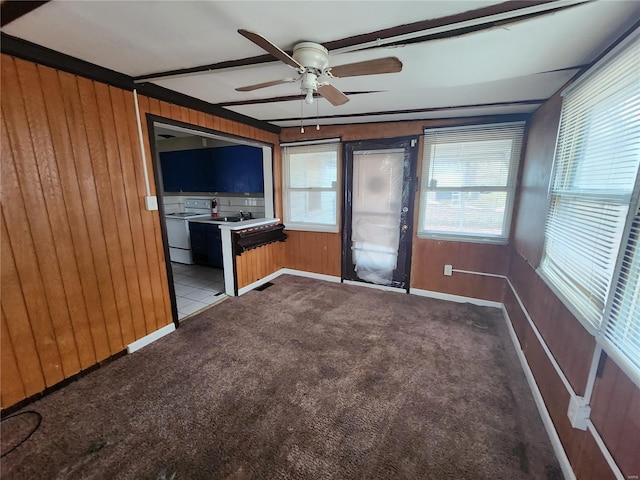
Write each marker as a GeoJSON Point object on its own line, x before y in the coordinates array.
{"type": "Point", "coordinates": [245, 216]}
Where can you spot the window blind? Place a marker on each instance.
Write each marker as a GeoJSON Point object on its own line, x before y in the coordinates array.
{"type": "Point", "coordinates": [623, 327]}
{"type": "Point", "coordinates": [594, 183]}
{"type": "Point", "coordinates": [469, 179]}
{"type": "Point", "coordinates": [310, 186]}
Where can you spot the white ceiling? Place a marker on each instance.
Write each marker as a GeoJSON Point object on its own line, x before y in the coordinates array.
{"type": "Point", "coordinates": [517, 62]}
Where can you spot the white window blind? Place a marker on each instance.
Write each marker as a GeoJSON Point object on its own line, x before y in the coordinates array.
{"type": "Point", "coordinates": [311, 187]}
{"type": "Point", "coordinates": [468, 181]}
{"type": "Point", "coordinates": [593, 185]}
{"type": "Point", "coordinates": [622, 330]}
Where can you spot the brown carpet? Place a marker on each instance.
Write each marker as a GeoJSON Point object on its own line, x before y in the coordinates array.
{"type": "Point", "coordinates": [304, 380]}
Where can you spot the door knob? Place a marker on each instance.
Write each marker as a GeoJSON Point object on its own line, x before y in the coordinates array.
{"type": "Point", "coordinates": [405, 228]}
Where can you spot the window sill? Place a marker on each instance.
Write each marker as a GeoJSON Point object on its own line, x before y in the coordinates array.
{"type": "Point", "coordinates": [311, 228]}
{"type": "Point", "coordinates": [463, 238]}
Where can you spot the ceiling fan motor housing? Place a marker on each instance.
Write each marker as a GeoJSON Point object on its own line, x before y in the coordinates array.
{"type": "Point", "coordinates": [312, 56]}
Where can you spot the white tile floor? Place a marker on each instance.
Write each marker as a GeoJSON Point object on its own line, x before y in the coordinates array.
{"type": "Point", "coordinates": [196, 287]}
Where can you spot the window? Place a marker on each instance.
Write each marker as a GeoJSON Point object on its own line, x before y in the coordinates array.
{"type": "Point", "coordinates": [469, 181]}
{"type": "Point", "coordinates": [591, 254]}
{"type": "Point", "coordinates": [311, 187]}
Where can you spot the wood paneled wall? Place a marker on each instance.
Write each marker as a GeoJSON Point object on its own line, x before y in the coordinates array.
{"type": "Point", "coordinates": [305, 250]}
{"type": "Point", "coordinates": [315, 252]}
{"type": "Point", "coordinates": [257, 263]}
{"type": "Point", "coordinates": [83, 268]}
{"type": "Point", "coordinates": [430, 257]}
{"type": "Point", "coordinates": [615, 404]}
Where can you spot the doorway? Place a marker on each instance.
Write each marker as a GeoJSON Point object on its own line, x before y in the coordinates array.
{"type": "Point", "coordinates": [197, 170]}
{"type": "Point", "coordinates": [379, 185]}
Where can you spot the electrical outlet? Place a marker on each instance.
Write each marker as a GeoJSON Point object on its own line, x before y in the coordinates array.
{"type": "Point", "coordinates": [578, 412]}
{"type": "Point", "coordinates": [448, 270]}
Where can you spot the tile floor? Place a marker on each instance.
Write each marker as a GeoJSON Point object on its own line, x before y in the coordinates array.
{"type": "Point", "coordinates": [196, 287]}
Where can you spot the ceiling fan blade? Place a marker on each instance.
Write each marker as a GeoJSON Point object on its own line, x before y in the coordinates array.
{"type": "Point", "coordinates": [270, 47]}
{"type": "Point", "coordinates": [250, 88]}
{"type": "Point", "coordinates": [331, 93]}
{"type": "Point", "coordinates": [369, 67]}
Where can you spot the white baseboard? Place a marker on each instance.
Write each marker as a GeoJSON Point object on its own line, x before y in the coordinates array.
{"type": "Point", "coordinates": [257, 283]}
{"type": "Point", "coordinates": [454, 298]}
{"type": "Point", "coordinates": [374, 286]}
{"type": "Point", "coordinates": [152, 337]}
{"type": "Point", "coordinates": [565, 465]}
{"type": "Point", "coordinates": [317, 276]}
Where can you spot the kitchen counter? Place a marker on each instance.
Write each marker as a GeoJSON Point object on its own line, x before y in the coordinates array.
{"type": "Point", "coordinates": [241, 225]}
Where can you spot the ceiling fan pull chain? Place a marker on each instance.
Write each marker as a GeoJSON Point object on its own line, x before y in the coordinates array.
{"type": "Point", "coordinates": [317, 115]}
{"type": "Point", "coordinates": [301, 125]}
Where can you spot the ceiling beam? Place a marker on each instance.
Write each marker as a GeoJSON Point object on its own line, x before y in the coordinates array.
{"type": "Point", "coordinates": [425, 30]}
{"type": "Point", "coordinates": [287, 98]}
{"type": "Point", "coordinates": [419, 110]}
{"type": "Point", "coordinates": [11, 10]}
{"type": "Point", "coordinates": [32, 52]}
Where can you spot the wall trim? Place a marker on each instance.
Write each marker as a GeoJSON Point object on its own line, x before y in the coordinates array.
{"type": "Point", "coordinates": [374, 286]}
{"type": "Point", "coordinates": [257, 283]}
{"type": "Point", "coordinates": [558, 448]}
{"type": "Point", "coordinates": [152, 337]}
{"type": "Point", "coordinates": [454, 298]}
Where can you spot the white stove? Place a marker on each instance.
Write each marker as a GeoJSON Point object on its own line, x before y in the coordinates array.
{"type": "Point", "coordinates": [178, 228]}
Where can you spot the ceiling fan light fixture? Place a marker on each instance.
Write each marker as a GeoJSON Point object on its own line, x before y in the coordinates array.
{"type": "Point", "coordinates": [309, 96]}
{"type": "Point", "coordinates": [309, 86]}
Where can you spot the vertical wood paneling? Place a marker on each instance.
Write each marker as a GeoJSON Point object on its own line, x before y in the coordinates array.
{"type": "Point", "coordinates": [146, 321]}
{"type": "Point", "coordinates": [317, 252]}
{"type": "Point", "coordinates": [430, 257]}
{"type": "Point", "coordinates": [12, 388]}
{"type": "Point", "coordinates": [54, 207]}
{"type": "Point", "coordinates": [52, 92]}
{"type": "Point", "coordinates": [90, 209]}
{"type": "Point", "coordinates": [34, 252]}
{"type": "Point", "coordinates": [257, 263]}
{"type": "Point", "coordinates": [29, 348]}
{"type": "Point", "coordinates": [616, 414]}
{"type": "Point", "coordinates": [83, 267]}
{"type": "Point", "coordinates": [106, 213]}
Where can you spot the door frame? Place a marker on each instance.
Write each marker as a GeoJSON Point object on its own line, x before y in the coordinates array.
{"type": "Point", "coordinates": [411, 145]}
{"type": "Point", "coordinates": [268, 169]}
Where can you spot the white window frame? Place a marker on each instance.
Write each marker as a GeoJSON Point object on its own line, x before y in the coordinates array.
{"type": "Point", "coordinates": [510, 188]}
{"type": "Point", "coordinates": [606, 329]}
{"type": "Point", "coordinates": [331, 145]}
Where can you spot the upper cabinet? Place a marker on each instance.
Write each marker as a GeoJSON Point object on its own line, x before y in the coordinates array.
{"type": "Point", "coordinates": [233, 169]}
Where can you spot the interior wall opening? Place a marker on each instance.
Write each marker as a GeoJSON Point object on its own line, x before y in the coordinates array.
{"type": "Point", "coordinates": [203, 180]}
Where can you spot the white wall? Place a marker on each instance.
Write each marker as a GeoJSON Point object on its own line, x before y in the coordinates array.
{"type": "Point", "coordinates": [228, 204]}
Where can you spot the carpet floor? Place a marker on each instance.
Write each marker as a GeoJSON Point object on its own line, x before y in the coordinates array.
{"type": "Point", "coordinates": [303, 380]}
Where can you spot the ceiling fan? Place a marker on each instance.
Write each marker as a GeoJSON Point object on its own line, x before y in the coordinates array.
{"type": "Point", "coordinates": [311, 61]}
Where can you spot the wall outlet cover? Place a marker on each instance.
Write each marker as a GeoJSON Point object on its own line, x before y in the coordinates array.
{"type": "Point", "coordinates": [448, 270]}
{"type": "Point", "coordinates": [151, 202]}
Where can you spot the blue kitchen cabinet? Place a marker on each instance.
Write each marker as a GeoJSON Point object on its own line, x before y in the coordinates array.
{"type": "Point", "coordinates": [182, 171]}
{"type": "Point", "coordinates": [214, 238]}
{"type": "Point", "coordinates": [233, 169]}
{"type": "Point", "coordinates": [206, 244]}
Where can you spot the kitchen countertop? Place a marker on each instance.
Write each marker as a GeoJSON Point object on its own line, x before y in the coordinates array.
{"type": "Point", "coordinates": [241, 225]}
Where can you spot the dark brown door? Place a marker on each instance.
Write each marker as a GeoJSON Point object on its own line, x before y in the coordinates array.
{"type": "Point", "coordinates": [379, 182]}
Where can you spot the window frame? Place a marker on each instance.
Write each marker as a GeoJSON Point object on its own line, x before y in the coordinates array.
{"type": "Point", "coordinates": [510, 188]}
{"type": "Point", "coordinates": [632, 200]}
{"type": "Point", "coordinates": [286, 188]}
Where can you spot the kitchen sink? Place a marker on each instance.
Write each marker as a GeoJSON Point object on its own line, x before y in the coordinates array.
{"type": "Point", "coordinates": [229, 219]}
